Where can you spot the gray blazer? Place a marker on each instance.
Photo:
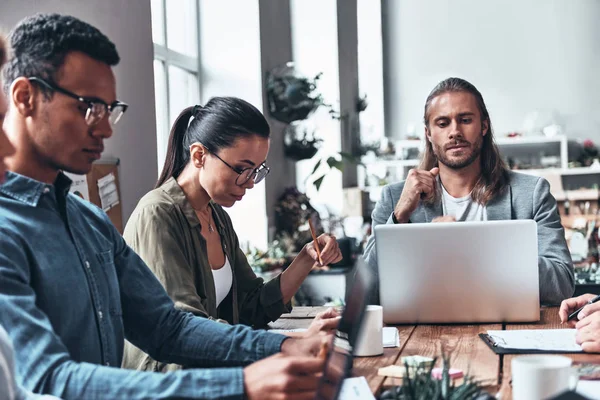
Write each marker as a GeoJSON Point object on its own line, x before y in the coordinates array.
{"type": "Point", "coordinates": [527, 197]}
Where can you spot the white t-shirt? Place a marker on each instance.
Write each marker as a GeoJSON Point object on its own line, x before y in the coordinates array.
{"type": "Point", "coordinates": [462, 208]}
{"type": "Point", "coordinates": [223, 278]}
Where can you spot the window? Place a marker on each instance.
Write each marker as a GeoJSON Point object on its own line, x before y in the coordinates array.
{"type": "Point", "coordinates": [176, 64]}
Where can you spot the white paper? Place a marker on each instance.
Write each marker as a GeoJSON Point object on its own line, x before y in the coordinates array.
{"type": "Point", "coordinates": [559, 340]}
{"type": "Point", "coordinates": [356, 389]}
{"type": "Point", "coordinates": [287, 330]}
{"type": "Point", "coordinates": [589, 389]}
{"type": "Point", "coordinates": [107, 189]}
{"type": "Point", "coordinates": [79, 187]}
{"type": "Point", "coordinates": [391, 338]}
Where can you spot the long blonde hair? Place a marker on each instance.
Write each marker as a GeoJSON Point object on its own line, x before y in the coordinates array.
{"type": "Point", "coordinates": [494, 173]}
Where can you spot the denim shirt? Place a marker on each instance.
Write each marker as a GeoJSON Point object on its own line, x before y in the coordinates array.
{"type": "Point", "coordinates": [71, 291]}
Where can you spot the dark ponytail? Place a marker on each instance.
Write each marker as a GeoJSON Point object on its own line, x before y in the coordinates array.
{"type": "Point", "coordinates": [217, 125]}
{"type": "Point", "coordinates": [176, 157]}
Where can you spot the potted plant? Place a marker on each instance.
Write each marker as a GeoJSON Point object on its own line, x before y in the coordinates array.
{"type": "Point", "coordinates": [589, 153]}
{"type": "Point", "coordinates": [291, 97]}
{"type": "Point", "coordinates": [419, 384]}
{"type": "Point", "coordinates": [299, 143]}
{"type": "Point", "coordinates": [270, 262]}
{"type": "Point", "coordinates": [292, 211]}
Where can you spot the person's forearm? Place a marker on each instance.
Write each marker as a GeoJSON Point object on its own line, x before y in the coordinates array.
{"type": "Point", "coordinates": [295, 274]}
{"type": "Point", "coordinates": [199, 342]}
{"type": "Point", "coordinates": [86, 381]}
{"type": "Point", "coordinates": [557, 282]}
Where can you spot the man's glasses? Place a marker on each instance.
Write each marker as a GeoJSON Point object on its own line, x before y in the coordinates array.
{"type": "Point", "coordinates": [96, 108]}
{"type": "Point", "coordinates": [244, 175]}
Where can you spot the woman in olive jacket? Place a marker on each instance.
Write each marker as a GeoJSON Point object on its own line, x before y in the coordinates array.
{"type": "Point", "coordinates": [180, 229]}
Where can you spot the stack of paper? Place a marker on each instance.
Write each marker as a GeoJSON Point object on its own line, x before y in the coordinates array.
{"type": "Point", "coordinates": [391, 338]}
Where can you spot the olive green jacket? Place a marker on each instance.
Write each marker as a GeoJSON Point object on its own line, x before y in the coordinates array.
{"type": "Point", "coordinates": [165, 231]}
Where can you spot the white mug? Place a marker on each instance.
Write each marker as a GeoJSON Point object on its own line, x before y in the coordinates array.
{"type": "Point", "coordinates": [536, 377]}
{"type": "Point", "coordinates": [370, 336]}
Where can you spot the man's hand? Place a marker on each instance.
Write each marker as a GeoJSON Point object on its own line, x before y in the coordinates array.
{"type": "Point", "coordinates": [418, 183]}
{"type": "Point", "coordinates": [570, 305]}
{"type": "Point", "coordinates": [283, 377]}
{"type": "Point", "coordinates": [445, 218]}
{"type": "Point", "coordinates": [588, 332]}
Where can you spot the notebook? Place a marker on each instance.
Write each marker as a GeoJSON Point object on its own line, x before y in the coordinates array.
{"type": "Point", "coordinates": [532, 341]}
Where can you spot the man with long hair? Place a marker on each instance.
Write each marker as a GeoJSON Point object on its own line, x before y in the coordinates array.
{"type": "Point", "coordinates": [463, 178]}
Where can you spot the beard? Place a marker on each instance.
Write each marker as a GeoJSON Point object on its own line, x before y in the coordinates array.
{"type": "Point", "coordinates": [471, 152]}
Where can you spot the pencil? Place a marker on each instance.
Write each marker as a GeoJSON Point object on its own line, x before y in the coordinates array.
{"type": "Point", "coordinates": [323, 350]}
{"type": "Point", "coordinates": [315, 241]}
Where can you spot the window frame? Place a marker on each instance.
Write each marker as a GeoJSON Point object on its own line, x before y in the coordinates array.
{"type": "Point", "coordinates": [168, 57]}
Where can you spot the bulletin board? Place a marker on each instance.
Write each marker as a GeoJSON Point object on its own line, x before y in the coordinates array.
{"type": "Point", "coordinates": [104, 175]}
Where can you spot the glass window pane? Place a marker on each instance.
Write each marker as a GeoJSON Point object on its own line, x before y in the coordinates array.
{"type": "Point", "coordinates": [183, 91]}
{"type": "Point", "coordinates": [158, 26]}
{"type": "Point", "coordinates": [182, 29]}
{"type": "Point", "coordinates": [162, 115]}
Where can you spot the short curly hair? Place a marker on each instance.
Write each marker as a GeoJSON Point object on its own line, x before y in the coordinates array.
{"type": "Point", "coordinates": [40, 43]}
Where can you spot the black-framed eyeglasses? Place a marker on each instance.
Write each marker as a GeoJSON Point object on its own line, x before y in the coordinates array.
{"type": "Point", "coordinates": [244, 175]}
{"type": "Point", "coordinates": [96, 108]}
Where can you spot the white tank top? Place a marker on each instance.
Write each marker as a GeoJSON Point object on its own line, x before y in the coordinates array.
{"type": "Point", "coordinates": [223, 278]}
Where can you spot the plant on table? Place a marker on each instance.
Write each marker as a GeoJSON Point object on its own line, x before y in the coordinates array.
{"type": "Point", "coordinates": [419, 384]}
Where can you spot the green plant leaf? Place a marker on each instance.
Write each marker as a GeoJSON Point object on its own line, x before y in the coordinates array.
{"type": "Point", "coordinates": [334, 163]}
{"type": "Point", "coordinates": [316, 167]}
{"type": "Point", "coordinates": [317, 182]}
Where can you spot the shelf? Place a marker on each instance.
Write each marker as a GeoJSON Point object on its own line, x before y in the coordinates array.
{"type": "Point", "coordinates": [581, 171]}
{"type": "Point", "coordinates": [394, 163]}
{"type": "Point", "coordinates": [520, 140]}
{"type": "Point", "coordinates": [560, 171]}
{"type": "Point", "coordinates": [409, 144]}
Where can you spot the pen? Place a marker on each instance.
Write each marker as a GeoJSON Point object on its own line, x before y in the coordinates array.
{"type": "Point", "coordinates": [315, 241]}
{"type": "Point", "coordinates": [591, 301]}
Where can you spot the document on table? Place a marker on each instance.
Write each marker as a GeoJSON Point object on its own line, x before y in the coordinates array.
{"type": "Point", "coordinates": [538, 340]}
{"type": "Point", "coordinates": [356, 389]}
{"type": "Point", "coordinates": [391, 338]}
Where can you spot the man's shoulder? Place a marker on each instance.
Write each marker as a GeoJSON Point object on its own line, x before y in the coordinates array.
{"type": "Point", "coordinates": [520, 178]}
{"type": "Point", "coordinates": [523, 184]}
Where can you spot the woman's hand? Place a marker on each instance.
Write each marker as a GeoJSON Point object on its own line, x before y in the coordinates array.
{"type": "Point", "coordinates": [325, 321]}
{"type": "Point", "coordinates": [330, 251]}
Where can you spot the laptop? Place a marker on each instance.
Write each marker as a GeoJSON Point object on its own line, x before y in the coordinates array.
{"type": "Point", "coordinates": [338, 363]}
{"type": "Point", "coordinates": [458, 272]}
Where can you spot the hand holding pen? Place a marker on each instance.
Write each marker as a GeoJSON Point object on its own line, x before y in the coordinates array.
{"type": "Point", "coordinates": [324, 250]}
{"type": "Point", "coordinates": [572, 310]}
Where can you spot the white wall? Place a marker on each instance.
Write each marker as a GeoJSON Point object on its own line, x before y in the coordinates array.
{"type": "Point", "coordinates": [522, 56]}
{"type": "Point", "coordinates": [231, 66]}
{"type": "Point", "coordinates": [315, 50]}
{"type": "Point", "coordinates": [127, 24]}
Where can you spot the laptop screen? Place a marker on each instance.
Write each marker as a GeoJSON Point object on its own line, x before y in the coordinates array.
{"type": "Point", "coordinates": [339, 358]}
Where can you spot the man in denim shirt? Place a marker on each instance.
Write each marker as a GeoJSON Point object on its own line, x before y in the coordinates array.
{"type": "Point", "coordinates": [71, 290]}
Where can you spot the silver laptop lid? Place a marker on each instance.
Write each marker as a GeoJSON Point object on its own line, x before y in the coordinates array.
{"type": "Point", "coordinates": [458, 272]}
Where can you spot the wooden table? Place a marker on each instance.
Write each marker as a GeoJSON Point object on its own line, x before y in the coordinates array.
{"type": "Point", "coordinates": [469, 352]}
